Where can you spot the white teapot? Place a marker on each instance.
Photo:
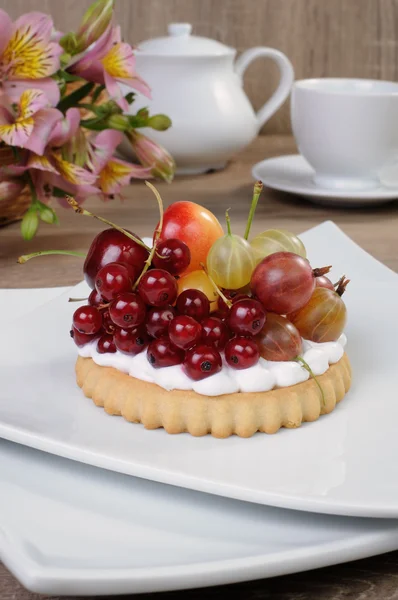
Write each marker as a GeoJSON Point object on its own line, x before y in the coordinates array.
{"type": "Point", "coordinates": [198, 84]}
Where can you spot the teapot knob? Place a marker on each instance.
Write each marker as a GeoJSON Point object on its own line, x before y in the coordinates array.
{"type": "Point", "coordinates": [179, 29]}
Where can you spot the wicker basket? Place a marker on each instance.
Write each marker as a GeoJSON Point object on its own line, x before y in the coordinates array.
{"type": "Point", "coordinates": [12, 210]}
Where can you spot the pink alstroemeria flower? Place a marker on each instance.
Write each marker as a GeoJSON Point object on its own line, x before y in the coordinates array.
{"type": "Point", "coordinates": [27, 55]}
{"type": "Point", "coordinates": [31, 123]}
{"type": "Point", "coordinates": [52, 170]}
{"type": "Point", "coordinates": [110, 62]}
{"type": "Point", "coordinates": [112, 172]}
{"type": "Point", "coordinates": [153, 155]}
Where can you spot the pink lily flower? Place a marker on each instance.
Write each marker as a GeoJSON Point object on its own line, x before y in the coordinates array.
{"type": "Point", "coordinates": [28, 54]}
{"type": "Point", "coordinates": [30, 124]}
{"type": "Point", "coordinates": [110, 62]}
{"type": "Point", "coordinates": [112, 172]}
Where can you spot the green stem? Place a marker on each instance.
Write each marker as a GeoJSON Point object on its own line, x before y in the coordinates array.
{"type": "Point", "coordinates": [307, 367]}
{"type": "Point", "coordinates": [258, 186]}
{"type": "Point", "coordinates": [23, 259]}
{"type": "Point", "coordinates": [82, 211]}
{"type": "Point", "coordinates": [158, 232]}
{"type": "Point", "coordinates": [228, 220]}
{"type": "Point", "coordinates": [77, 299]}
{"type": "Point", "coordinates": [216, 288]}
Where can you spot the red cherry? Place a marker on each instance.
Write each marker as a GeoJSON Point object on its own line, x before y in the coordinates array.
{"type": "Point", "coordinates": [193, 303]}
{"type": "Point", "coordinates": [158, 320]}
{"type": "Point", "coordinates": [158, 288]}
{"type": "Point", "coordinates": [246, 317]}
{"type": "Point", "coordinates": [173, 256]}
{"type": "Point", "coordinates": [107, 323]}
{"type": "Point", "coordinates": [106, 345]}
{"type": "Point", "coordinates": [131, 341]}
{"type": "Point", "coordinates": [127, 310]}
{"type": "Point", "coordinates": [112, 246]}
{"type": "Point", "coordinates": [184, 331]}
{"type": "Point", "coordinates": [215, 332]}
{"type": "Point", "coordinates": [95, 299]}
{"type": "Point", "coordinates": [163, 353]}
{"type": "Point", "coordinates": [241, 352]}
{"type": "Point", "coordinates": [81, 339]}
{"type": "Point", "coordinates": [202, 361]}
{"type": "Point", "coordinates": [112, 280]}
{"type": "Point", "coordinates": [323, 281]}
{"type": "Point", "coordinates": [87, 319]}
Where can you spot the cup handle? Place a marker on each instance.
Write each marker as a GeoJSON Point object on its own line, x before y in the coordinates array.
{"type": "Point", "coordinates": [285, 82]}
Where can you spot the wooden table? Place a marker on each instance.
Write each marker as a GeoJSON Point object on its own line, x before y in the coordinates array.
{"type": "Point", "coordinates": [375, 229]}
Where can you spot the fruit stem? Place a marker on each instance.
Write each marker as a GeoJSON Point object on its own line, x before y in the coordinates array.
{"type": "Point", "coordinates": [307, 367]}
{"type": "Point", "coordinates": [77, 299]}
{"type": "Point", "coordinates": [158, 232]}
{"type": "Point", "coordinates": [341, 285]}
{"type": "Point", "coordinates": [82, 211]}
{"type": "Point", "coordinates": [25, 257]}
{"type": "Point", "coordinates": [228, 220]}
{"type": "Point", "coordinates": [321, 271]}
{"type": "Point", "coordinates": [258, 188]}
{"type": "Point", "coordinates": [216, 288]}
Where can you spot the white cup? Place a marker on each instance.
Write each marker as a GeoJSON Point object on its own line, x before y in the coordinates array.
{"type": "Point", "coordinates": [347, 129]}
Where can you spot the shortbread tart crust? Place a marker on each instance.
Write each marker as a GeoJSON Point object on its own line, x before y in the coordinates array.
{"type": "Point", "coordinates": [181, 411]}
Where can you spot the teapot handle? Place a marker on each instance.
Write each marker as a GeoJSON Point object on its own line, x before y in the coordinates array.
{"type": "Point", "coordinates": [285, 82]}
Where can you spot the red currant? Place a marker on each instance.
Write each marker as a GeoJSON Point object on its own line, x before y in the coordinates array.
{"type": "Point", "coordinates": [158, 288]}
{"type": "Point", "coordinates": [127, 310]}
{"type": "Point", "coordinates": [107, 323]}
{"type": "Point", "coordinates": [193, 303]}
{"type": "Point", "coordinates": [202, 361]}
{"type": "Point", "coordinates": [215, 332]}
{"type": "Point", "coordinates": [87, 319]}
{"type": "Point", "coordinates": [173, 256]}
{"type": "Point", "coordinates": [106, 345]}
{"type": "Point", "coordinates": [131, 341]}
{"type": "Point", "coordinates": [112, 280]}
{"type": "Point", "coordinates": [233, 296]}
{"type": "Point", "coordinates": [95, 299]}
{"type": "Point", "coordinates": [158, 320]}
{"type": "Point", "coordinates": [246, 317]}
{"type": "Point", "coordinates": [163, 353]}
{"type": "Point", "coordinates": [184, 331]}
{"type": "Point", "coordinates": [241, 352]}
{"type": "Point", "coordinates": [81, 339]}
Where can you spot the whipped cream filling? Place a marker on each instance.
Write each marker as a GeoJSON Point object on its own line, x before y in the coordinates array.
{"type": "Point", "coordinates": [262, 377]}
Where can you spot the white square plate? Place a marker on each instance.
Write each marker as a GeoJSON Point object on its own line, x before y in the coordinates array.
{"type": "Point", "coordinates": [342, 464]}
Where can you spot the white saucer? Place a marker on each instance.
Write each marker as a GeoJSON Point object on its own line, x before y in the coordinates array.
{"type": "Point", "coordinates": [293, 174]}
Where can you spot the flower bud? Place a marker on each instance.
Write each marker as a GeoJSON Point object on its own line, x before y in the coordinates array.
{"type": "Point", "coordinates": [118, 122]}
{"type": "Point", "coordinates": [151, 154]}
{"type": "Point", "coordinates": [29, 224]}
{"type": "Point", "coordinates": [159, 122]}
{"type": "Point", "coordinates": [95, 22]}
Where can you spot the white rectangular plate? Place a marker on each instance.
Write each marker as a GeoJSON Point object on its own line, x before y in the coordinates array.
{"type": "Point", "coordinates": [342, 464]}
{"type": "Point", "coordinates": [90, 531]}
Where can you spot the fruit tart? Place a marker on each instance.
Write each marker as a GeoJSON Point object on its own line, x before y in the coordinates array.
{"type": "Point", "coordinates": [205, 332]}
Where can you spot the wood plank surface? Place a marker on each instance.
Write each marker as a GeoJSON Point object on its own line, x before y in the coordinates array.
{"type": "Point", "coordinates": [335, 38]}
{"type": "Point", "coordinates": [375, 229]}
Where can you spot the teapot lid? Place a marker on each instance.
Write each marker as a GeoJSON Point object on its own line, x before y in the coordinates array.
{"type": "Point", "coordinates": [180, 42]}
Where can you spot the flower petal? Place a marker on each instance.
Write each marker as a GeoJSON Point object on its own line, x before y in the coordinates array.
{"type": "Point", "coordinates": [114, 91]}
{"type": "Point", "coordinates": [44, 122]}
{"type": "Point", "coordinates": [116, 174]}
{"type": "Point", "coordinates": [65, 129]}
{"type": "Point", "coordinates": [29, 53]}
{"type": "Point", "coordinates": [104, 146]}
{"type": "Point", "coordinates": [5, 29]}
{"type": "Point", "coordinates": [73, 173]}
{"type": "Point", "coordinates": [18, 133]}
{"type": "Point", "coordinates": [41, 163]}
{"type": "Point", "coordinates": [31, 101]}
{"type": "Point", "coordinates": [14, 89]}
